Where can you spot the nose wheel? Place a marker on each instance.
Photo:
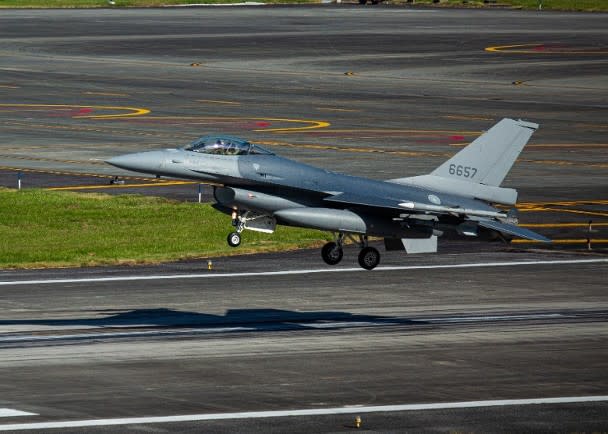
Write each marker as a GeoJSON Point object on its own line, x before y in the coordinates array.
{"type": "Point", "coordinates": [234, 239]}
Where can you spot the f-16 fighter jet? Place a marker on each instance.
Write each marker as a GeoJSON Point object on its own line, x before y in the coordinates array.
{"type": "Point", "coordinates": [261, 190]}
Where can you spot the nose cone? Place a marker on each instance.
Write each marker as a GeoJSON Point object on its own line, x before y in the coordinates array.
{"type": "Point", "coordinates": [145, 162]}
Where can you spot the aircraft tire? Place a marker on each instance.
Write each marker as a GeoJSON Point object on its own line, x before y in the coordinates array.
{"type": "Point", "coordinates": [332, 253]}
{"type": "Point", "coordinates": [234, 239]}
{"type": "Point", "coordinates": [369, 258]}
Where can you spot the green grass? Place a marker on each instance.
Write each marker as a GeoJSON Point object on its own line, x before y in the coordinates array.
{"type": "Point", "coordinates": [564, 5]}
{"type": "Point", "coordinates": [52, 229]}
{"type": "Point", "coordinates": [122, 3]}
{"type": "Point", "coordinates": [571, 5]}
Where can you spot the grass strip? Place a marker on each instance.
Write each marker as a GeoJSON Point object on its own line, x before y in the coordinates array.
{"type": "Point", "coordinates": [565, 5]}
{"type": "Point", "coordinates": [58, 229]}
{"type": "Point", "coordinates": [562, 5]}
{"type": "Point", "coordinates": [126, 3]}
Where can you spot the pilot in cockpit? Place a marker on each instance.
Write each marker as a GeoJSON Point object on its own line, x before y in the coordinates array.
{"type": "Point", "coordinates": [218, 147]}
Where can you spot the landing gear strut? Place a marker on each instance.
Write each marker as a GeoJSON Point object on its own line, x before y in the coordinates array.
{"type": "Point", "coordinates": [234, 238]}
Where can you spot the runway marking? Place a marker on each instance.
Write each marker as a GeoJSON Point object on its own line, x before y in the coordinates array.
{"type": "Point", "coordinates": [101, 187]}
{"type": "Point", "coordinates": [214, 101]}
{"type": "Point", "coordinates": [335, 109]}
{"type": "Point", "coordinates": [133, 111]}
{"type": "Point", "coordinates": [562, 225]}
{"type": "Point", "coordinates": [308, 124]}
{"type": "Point", "coordinates": [301, 412]}
{"type": "Point", "coordinates": [565, 241]}
{"type": "Point", "coordinates": [9, 412]}
{"type": "Point", "coordinates": [299, 272]}
{"type": "Point", "coordinates": [106, 93]}
{"type": "Point", "coordinates": [566, 202]}
{"type": "Point", "coordinates": [543, 49]}
{"type": "Point", "coordinates": [551, 145]}
{"type": "Point", "coordinates": [565, 210]}
{"type": "Point", "coordinates": [51, 160]}
{"type": "Point", "coordinates": [67, 173]}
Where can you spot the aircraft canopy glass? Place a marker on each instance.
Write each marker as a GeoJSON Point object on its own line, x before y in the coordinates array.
{"type": "Point", "coordinates": [219, 145]}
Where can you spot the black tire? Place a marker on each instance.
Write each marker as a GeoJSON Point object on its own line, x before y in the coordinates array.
{"type": "Point", "coordinates": [369, 258]}
{"type": "Point", "coordinates": [362, 2]}
{"type": "Point", "coordinates": [332, 253]}
{"type": "Point", "coordinates": [234, 239]}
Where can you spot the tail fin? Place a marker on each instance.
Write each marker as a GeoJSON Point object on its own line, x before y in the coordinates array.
{"type": "Point", "coordinates": [479, 169]}
{"type": "Point", "coordinates": [488, 159]}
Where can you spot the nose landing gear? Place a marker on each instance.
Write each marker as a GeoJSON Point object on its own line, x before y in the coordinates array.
{"type": "Point", "coordinates": [234, 238]}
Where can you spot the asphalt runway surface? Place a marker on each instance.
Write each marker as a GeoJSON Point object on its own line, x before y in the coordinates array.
{"type": "Point", "coordinates": [478, 338]}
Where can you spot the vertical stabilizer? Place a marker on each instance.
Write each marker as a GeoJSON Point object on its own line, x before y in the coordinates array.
{"type": "Point", "coordinates": [488, 159]}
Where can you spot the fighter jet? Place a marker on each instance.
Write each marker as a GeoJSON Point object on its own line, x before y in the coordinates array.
{"type": "Point", "coordinates": [261, 190]}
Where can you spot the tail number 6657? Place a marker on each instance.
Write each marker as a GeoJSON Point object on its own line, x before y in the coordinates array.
{"type": "Point", "coordinates": [464, 171]}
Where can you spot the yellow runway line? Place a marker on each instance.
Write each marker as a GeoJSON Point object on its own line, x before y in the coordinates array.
{"type": "Point", "coordinates": [98, 187]}
{"type": "Point", "coordinates": [541, 49]}
{"type": "Point", "coordinates": [563, 225]}
{"type": "Point", "coordinates": [133, 111]}
{"type": "Point", "coordinates": [563, 241]}
{"type": "Point", "coordinates": [213, 101]}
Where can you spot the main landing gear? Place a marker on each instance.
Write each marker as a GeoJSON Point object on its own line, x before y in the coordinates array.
{"type": "Point", "coordinates": [332, 252]}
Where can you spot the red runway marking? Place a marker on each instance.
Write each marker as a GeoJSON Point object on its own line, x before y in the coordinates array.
{"type": "Point", "coordinates": [82, 112]}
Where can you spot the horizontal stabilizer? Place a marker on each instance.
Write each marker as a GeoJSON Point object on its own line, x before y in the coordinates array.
{"type": "Point", "coordinates": [513, 230]}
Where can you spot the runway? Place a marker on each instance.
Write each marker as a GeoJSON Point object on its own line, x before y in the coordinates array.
{"type": "Point", "coordinates": [78, 346]}
{"type": "Point", "coordinates": [481, 337]}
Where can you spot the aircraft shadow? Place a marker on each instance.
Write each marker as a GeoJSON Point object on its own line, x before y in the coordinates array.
{"type": "Point", "coordinates": [247, 319]}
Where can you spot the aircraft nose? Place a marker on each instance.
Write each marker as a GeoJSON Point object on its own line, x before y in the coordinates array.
{"type": "Point", "coordinates": [146, 162]}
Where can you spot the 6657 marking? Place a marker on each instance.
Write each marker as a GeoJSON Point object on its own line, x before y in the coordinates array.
{"type": "Point", "coordinates": [464, 171]}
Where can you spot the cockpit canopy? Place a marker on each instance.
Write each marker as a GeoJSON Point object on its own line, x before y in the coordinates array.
{"type": "Point", "coordinates": [222, 145]}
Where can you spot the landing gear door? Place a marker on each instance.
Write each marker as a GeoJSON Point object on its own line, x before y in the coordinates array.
{"type": "Point", "coordinates": [260, 223]}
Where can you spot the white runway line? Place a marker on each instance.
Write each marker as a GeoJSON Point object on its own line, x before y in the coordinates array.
{"type": "Point", "coordinates": [307, 412]}
{"type": "Point", "coordinates": [9, 412]}
{"type": "Point", "coordinates": [297, 272]}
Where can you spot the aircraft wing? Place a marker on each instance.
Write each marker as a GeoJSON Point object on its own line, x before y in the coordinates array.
{"type": "Point", "coordinates": [480, 216]}
{"type": "Point", "coordinates": [409, 207]}
{"type": "Point", "coordinates": [518, 231]}
{"type": "Point", "coordinates": [363, 200]}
